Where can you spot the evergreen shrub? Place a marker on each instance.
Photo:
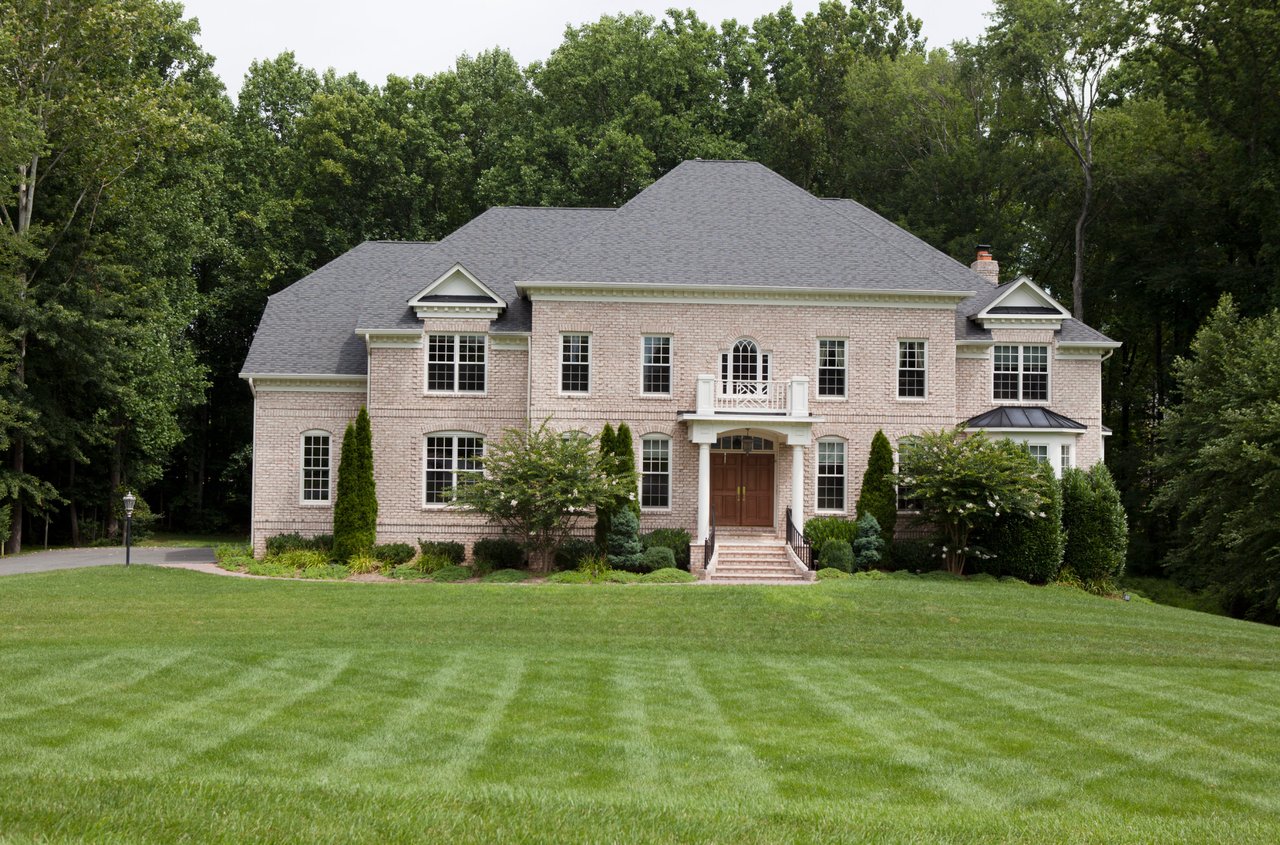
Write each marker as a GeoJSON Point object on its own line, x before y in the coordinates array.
{"type": "Point", "coordinates": [868, 546]}
{"type": "Point", "coordinates": [623, 546]}
{"type": "Point", "coordinates": [818, 530]}
{"type": "Point", "coordinates": [493, 553]}
{"type": "Point", "coordinates": [837, 554]}
{"type": "Point", "coordinates": [355, 508]}
{"type": "Point", "coordinates": [676, 539]}
{"type": "Point", "coordinates": [668, 576]}
{"type": "Point", "coordinates": [452, 573]}
{"type": "Point", "coordinates": [879, 496]}
{"type": "Point", "coordinates": [394, 554]}
{"type": "Point", "coordinates": [830, 573]}
{"type": "Point", "coordinates": [505, 576]}
{"type": "Point", "coordinates": [455, 553]}
{"type": "Point", "coordinates": [657, 557]}
{"type": "Point", "coordinates": [572, 551]}
{"type": "Point", "coordinates": [1029, 547]}
{"type": "Point", "coordinates": [1097, 531]}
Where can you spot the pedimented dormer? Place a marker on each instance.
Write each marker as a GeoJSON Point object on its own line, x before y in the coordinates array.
{"type": "Point", "coordinates": [458, 294]}
{"type": "Point", "coordinates": [1021, 304]}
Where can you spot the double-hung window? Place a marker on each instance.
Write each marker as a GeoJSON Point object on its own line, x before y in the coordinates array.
{"type": "Point", "coordinates": [575, 363]}
{"type": "Point", "coordinates": [1039, 451]}
{"type": "Point", "coordinates": [656, 374]}
{"type": "Point", "coordinates": [911, 369]}
{"type": "Point", "coordinates": [1065, 456]}
{"type": "Point", "coordinates": [456, 363]}
{"type": "Point", "coordinates": [831, 475]}
{"type": "Point", "coordinates": [832, 368]}
{"type": "Point", "coordinates": [655, 472]}
{"type": "Point", "coordinates": [1021, 374]}
{"type": "Point", "coordinates": [450, 460]}
{"type": "Point", "coordinates": [315, 467]}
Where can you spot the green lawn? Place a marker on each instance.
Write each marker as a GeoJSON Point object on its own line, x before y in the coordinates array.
{"type": "Point", "coordinates": [162, 705]}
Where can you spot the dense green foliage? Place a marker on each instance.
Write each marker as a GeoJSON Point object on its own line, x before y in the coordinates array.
{"type": "Point", "coordinates": [496, 713]}
{"type": "Point", "coordinates": [836, 553]}
{"type": "Point", "coordinates": [868, 545]}
{"type": "Point", "coordinates": [147, 213]}
{"type": "Point", "coordinates": [617, 460]}
{"type": "Point", "coordinates": [964, 482]}
{"type": "Point", "coordinates": [1095, 525]}
{"type": "Point", "coordinates": [451, 551]}
{"type": "Point", "coordinates": [1026, 546]}
{"type": "Point", "coordinates": [572, 550]}
{"type": "Point", "coordinates": [657, 557]}
{"type": "Point", "coordinates": [497, 553]}
{"type": "Point", "coordinates": [355, 505]}
{"type": "Point", "coordinates": [819, 530]}
{"type": "Point", "coordinates": [878, 496]}
{"type": "Point", "coordinates": [675, 539]}
{"type": "Point", "coordinates": [537, 485]}
{"type": "Point", "coordinates": [1220, 463]}
{"type": "Point", "coordinates": [394, 554]}
{"type": "Point", "coordinates": [622, 546]}
{"type": "Point", "coordinates": [280, 543]}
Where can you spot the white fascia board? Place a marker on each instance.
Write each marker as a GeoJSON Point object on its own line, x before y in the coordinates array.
{"type": "Point", "coordinates": [763, 294]}
{"type": "Point", "coordinates": [391, 332]}
{"type": "Point", "coordinates": [1089, 344]}
{"type": "Point", "coordinates": [306, 382]}
{"type": "Point", "coordinates": [470, 277]}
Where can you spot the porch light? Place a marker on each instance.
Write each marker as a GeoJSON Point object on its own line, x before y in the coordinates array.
{"type": "Point", "coordinates": [747, 443]}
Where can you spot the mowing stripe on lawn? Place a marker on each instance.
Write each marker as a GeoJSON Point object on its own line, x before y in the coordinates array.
{"type": "Point", "coordinates": [1184, 696]}
{"type": "Point", "coordinates": [633, 721]}
{"type": "Point", "coordinates": [1106, 733]}
{"type": "Point", "coordinates": [473, 742]}
{"type": "Point", "coordinates": [87, 681]}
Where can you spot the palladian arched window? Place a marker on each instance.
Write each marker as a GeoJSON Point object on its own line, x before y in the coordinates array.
{"type": "Point", "coordinates": [744, 370]}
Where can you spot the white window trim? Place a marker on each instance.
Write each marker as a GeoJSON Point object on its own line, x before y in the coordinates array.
{"type": "Point", "coordinates": [671, 366]}
{"type": "Point", "coordinates": [844, 467]}
{"type": "Point", "coordinates": [897, 369]}
{"type": "Point", "coordinates": [670, 473]}
{"type": "Point", "coordinates": [817, 372]}
{"type": "Point", "coordinates": [457, 351]}
{"type": "Point", "coordinates": [1048, 381]}
{"type": "Point", "coordinates": [560, 362]}
{"type": "Point", "coordinates": [302, 457]}
{"type": "Point", "coordinates": [422, 467]}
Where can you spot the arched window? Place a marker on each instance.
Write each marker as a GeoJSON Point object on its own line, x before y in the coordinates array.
{"type": "Point", "coordinates": [315, 472]}
{"type": "Point", "coordinates": [449, 458]}
{"type": "Point", "coordinates": [744, 370]}
{"type": "Point", "coordinates": [831, 474]}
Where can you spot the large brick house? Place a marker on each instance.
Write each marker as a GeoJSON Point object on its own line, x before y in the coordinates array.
{"type": "Point", "coordinates": [753, 336]}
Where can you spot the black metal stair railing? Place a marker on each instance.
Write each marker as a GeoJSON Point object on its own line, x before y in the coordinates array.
{"type": "Point", "coordinates": [797, 542]}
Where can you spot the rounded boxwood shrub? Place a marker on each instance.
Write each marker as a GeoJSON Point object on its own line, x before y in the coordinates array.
{"type": "Point", "coordinates": [820, 530]}
{"type": "Point", "coordinates": [1097, 531]}
{"type": "Point", "coordinates": [572, 551]}
{"type": "Point", "coordinates": [505, 576]}
{"type": "Point", "coordinates": [455, 553]}
{"type": "Point", "coordinates": [676, 539]}
{"type": "Point", "coordinates": [497, 553]}
{"type": "Point", "coordinates": [394, 554]}
{"type": "Point", "coordinates": [657, 557]}
{"type": "Point", "coordinates": [830, 574]}
{"type": "Point", "coordinates": [837, 554]}
{"type": "Point", "coordinates": [668, 576]}
{"type": "Point", "coordinates": [452, 573]}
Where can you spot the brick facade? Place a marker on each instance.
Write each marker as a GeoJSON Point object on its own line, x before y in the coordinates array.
{"type": "Point", "coordinates": [402, 412]}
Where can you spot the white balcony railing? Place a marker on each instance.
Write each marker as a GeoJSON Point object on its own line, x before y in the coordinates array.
{"type": "Point", "coordinates": [751, 396]}
{"type": "Point", "coordinates": [788, 397]}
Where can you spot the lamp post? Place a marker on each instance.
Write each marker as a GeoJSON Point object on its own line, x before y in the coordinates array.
{"type": "Point", "coordinates": [129, 501]}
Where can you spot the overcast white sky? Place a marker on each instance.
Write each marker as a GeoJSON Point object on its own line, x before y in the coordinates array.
{"type": "Point", "coordinates": [378, 37]}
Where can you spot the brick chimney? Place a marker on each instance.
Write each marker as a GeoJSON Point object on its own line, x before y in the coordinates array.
{"type": "Point", "coordinates": [986, 266]}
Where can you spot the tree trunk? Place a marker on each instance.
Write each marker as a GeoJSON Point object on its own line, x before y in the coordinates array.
{"type": "Point", "coordinates": [117, 471]}
{"type": "Point", "coordinates": [17, 463]}
{"type": "Point", "coordinates": [1077, 278]}
{"type": "Point", "coordinates": [540, 560]}
{"type": "Point", "coordinates": [71, 506]}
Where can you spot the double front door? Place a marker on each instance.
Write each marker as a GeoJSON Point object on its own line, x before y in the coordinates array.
{"type": "Point", "coordinates": [742, 488]}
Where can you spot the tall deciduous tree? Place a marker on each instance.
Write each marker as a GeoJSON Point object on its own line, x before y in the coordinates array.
{"type": "Point", "coordinates": [1059, 54]}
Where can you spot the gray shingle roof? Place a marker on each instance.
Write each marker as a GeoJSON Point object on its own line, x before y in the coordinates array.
{"type": "Point", "coordinates": [705, 222]}
{"type": "Point", "coordinates": [308, 328]}
{"type": "Point", "coordinates": [1007, 416]}
{"type": "Point", "coordinates": [739, 223]}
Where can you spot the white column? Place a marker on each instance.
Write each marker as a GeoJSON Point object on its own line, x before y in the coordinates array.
{"type": "Point", "coordinates": [797, 485]}
{"type": "Point", "coordinates": [704, 492]}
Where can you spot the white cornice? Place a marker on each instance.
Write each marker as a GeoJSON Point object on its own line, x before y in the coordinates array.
{"type": "Point", "coordinates": [458, 311]}
{"type": "Point", "coordinates": [308, 383]}
{"type": "Point", "coordinates": [392, 339]}
{"type": "Point", "coordinates": [1076, 432]}
{"type": "Point", "coordinates": [509, 341]}
{"type": "Point", "coordinates": [745, 294]}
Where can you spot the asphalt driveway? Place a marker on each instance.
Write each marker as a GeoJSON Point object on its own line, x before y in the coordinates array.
{"type": "Point", "coordinates": [75, 558]}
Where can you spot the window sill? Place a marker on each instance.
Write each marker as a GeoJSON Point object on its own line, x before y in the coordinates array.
{"type": "Point", "coordinates": [328, 504]}
{"type": "Point", "coordinates": [658, 396]}
{"type": "Point", "coordinates": [831, 399]}
{"type": "Point", "coordinates": [479, 394]}
{"type": "Point", "coordinates": [911, 398]}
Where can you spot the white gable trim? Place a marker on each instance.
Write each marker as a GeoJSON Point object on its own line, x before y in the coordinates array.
{"type": "Point", "coordinates": [1028, 321]}
{"type": "Point", "coordinates": [300, 383]}
{"type": "Point", "coordinates": [462, 310]}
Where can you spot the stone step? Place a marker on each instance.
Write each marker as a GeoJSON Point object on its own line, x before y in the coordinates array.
{"type": "Point", "coordinates": [758, 577]}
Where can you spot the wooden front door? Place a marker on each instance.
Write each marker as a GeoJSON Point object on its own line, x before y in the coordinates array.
{"type": "Point", "coordinates": [742, 488]}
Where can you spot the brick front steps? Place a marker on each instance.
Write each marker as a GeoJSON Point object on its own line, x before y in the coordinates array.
{"type": "Point", "coordinates": [754, 561]}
